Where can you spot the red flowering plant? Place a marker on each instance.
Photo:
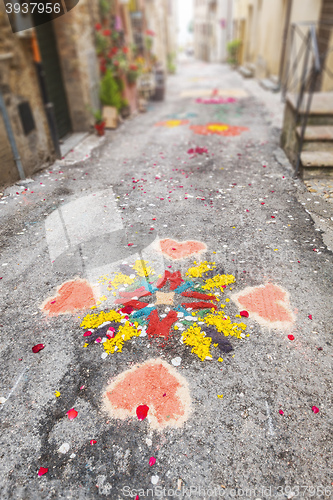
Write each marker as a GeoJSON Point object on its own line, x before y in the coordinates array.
{"type": "Point", "coordinates": [132, 73]}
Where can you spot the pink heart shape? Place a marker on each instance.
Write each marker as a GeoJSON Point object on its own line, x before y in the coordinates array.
{"type": "Point", "coordinates": [156, 384]}
{"type": "Point", "coordinates": [71, 296]}
{"type": "Point", "coordinates": [268, 304]}
{"type": "Point", "coordinates": [181, 249]}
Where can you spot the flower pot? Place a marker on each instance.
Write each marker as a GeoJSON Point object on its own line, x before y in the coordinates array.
{"type": "Point", "coordinates": [100, 128]}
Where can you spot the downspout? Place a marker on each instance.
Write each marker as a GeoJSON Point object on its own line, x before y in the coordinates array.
{"type": "Point", "coordinates": [284, 39]}
{"type": "Point", "coordinates": [11, 137]}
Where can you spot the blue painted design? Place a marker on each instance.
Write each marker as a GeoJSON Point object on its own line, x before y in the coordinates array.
{"type": "Point", "coordinates": [145, 311]}
{"type": "Point", "coordinates": [183, 287]}
{"type": "Point", "coordinates": [182, 310]}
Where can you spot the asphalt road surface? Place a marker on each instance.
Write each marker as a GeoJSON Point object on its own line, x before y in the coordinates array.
{"type": "Point", "coordinates": [182, 294]}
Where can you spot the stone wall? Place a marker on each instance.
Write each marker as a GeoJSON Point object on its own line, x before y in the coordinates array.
{"type": "Point", "coordinates": [18, 84]}
{"type": "Point", "coordinates": [76, 47]}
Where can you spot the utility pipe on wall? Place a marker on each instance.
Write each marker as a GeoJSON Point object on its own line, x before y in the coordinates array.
{"type": "Point", "coordinates": [11, 137]}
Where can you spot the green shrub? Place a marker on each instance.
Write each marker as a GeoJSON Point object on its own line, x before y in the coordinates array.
{"type": "Point", "coordinates": [233, 51]}
{"type": "Point", "coordinates": [110, 93]}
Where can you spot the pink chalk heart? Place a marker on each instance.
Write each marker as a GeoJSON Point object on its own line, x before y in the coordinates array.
{"type": "Point", "coordinates": [267, 304]}
{"type": "Point", "coordinates": [71, 296]}
{"type": "Point", "coordinates": [154, 388]}
{"type": "Point", "coordinates": [181, 249]}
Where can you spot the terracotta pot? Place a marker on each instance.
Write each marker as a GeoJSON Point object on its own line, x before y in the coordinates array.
{"type": "Point", "coordinates": [99, 127]}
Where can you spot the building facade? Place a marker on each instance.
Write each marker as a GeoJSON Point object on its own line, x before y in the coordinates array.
{"type": "Point", "coordinates": [50, 74]}
{"type": "Point", "coordinates": [212, 29]}
{"type": "Point", "coordinates": [263, 27]}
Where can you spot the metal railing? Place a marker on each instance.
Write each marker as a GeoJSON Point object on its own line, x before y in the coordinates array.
{"type": "Point", "coordinates": [305, 67]}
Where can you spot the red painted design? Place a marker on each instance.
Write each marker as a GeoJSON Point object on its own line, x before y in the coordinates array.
{"type": "Point", "coordinates": [161, 328]}
{"type": "Point", "coordinates": [197, 295]}
{"type": "Point", "coordinates": [139, 292]}
{"type": "Point", "coordinates": [136, 304]}
{"type": "Point", "coordinates": [175, 279]}
{"type": "Point", "coordinates": [199, 305]}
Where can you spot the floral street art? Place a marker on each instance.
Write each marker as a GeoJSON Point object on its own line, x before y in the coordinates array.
{"type": "Point", "coordinates": [171, 123]}
{"type": "Point", "coordinates": [218, 129]}
{"type": "Point", "coordinates": [160, 307]}
{"type": "Point", "coordinates": [155, 384]}
{"type": "Point", "coordinates": [215, 100]}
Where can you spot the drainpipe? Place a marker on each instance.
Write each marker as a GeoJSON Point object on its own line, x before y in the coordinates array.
{"type": "Point", "coordinates": [284, 39]}
{"type": "Point", "coordinates": [49, 109]}
{"type": "Point", "coordinates": [11, 138]}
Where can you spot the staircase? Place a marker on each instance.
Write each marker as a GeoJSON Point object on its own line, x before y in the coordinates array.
{"type": "Point", "coordinates": [316, 157]}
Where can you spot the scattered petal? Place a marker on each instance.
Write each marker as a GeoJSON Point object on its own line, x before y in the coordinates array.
{"type": "Point", "coordinates": [152, 461]}
{"type": "Point", "coordinates": [281, 412]}
{"type": "Point", "coordinates": [57, 394]}
{"type": "Point", "coordinates": [291, 337]}
{"type": "Point", "coordinates": [142, 411]}
{"type": "Point", "coordinates": [72, 414]}
{"type": "Point", "coordinates": [2, 401]}
{"type": "Point", "coordinates": [38, 347]}
{"type": "Point", "coordinates": [87, 333]}
{"type": "Point", "coordinates": [315, 409]}
{"type": "Point", "coordinates": [245, 314]}
{"type": "Point", "coordinates": [92, 442]}
{"type": "Point", "coordinates": [176, 361]}
{"type": "Point", "coordinates": [64, 448]}
{"type": "Point", "coordinates": [154, 479]}
{"type": "Point", "coordinates": [42, 471]}
{"type": "Point", "coordinates": [310, 316]}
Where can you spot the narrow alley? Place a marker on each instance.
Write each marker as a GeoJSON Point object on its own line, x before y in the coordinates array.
{"type": "Point", "coordinates": [166, 309]}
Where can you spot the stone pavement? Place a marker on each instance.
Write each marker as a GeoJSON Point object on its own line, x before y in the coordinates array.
{"type": "Point", "coordinates": [166, 306]}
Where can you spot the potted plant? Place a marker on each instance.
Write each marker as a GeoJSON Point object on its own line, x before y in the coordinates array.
{"type": "Point", "coordinates": [99, 122]}
{"type": "Point", "coordinates": [132, 74]}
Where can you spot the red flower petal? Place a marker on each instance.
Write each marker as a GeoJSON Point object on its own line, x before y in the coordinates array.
{"type": "Point", "coordinates": [281, 412]}
{"type": "Point", "coordinates": [315, 409]}
{"type": "Point", "coordinates": [42, 471]}
{"type": "Point", "coordinates": [152, 461]}
{"type": "Point", "coordinates": [137, 497]}
{"type": "Point", "coordinates": [291, 337]}
{"type": "Point", "coordinates": [310, 316]}
{"type": "Point", "coordinates": [87, 334]}
{"type": "Point", "coordinates": [245, 314]}
{"type": "Point", "coordinates": [142, 411]}
{"type": "Point", "coordinates": [71, 414]}
{"type": "Point", "coordinates": [37, 348]}
{"type": "Point", "coordinates": [93, 441]}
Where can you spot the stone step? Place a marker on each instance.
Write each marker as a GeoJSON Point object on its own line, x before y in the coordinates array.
{"type": "Point", "coordinates": [322, 103]}
{"type": "Point", "coordinates": [317, 159]}
{"type": "Point", "coordinates": [274, 79]}
{"type": "Point", "coordinates": [245, 72]}
{"type": "Point", "coordinates": [267, 84]}
{"type": "Point", "coordinates": [319, 133]}
{"type": "Point", "coordinates": [317, 164]}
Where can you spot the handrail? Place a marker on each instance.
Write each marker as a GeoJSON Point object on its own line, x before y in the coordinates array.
{"type": "Point", "coordinates": [315, 70]}
{"type": "Point", "coordinates": [303, 67]}
{"type": "Point", "coordinates": [315, 48]}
